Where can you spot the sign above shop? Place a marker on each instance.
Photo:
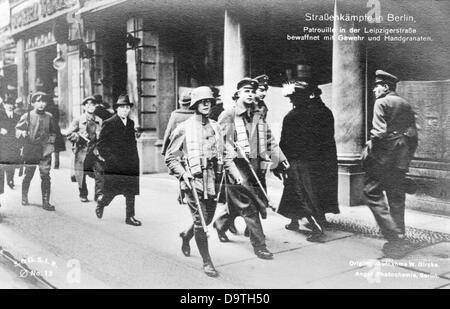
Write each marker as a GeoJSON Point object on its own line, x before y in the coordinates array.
{"type": "Point", "coordinates": [32, 11]}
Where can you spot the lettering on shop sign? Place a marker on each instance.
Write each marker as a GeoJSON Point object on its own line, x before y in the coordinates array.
{"type": "Point", "coordinates": [23, 15]}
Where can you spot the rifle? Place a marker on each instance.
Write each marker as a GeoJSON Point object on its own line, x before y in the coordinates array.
{"type": "Point", "coordinates": [194, 193]}
{"type": "Point", "coordinates": [243, 155]}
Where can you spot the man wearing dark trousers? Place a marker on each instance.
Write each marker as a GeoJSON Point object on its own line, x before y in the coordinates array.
{"type": "Point", "coordinates": [393, 141]}
{"type": "Point", "coordinates": [9, 147]}
{"type": "Point", "coordinates": [83, 133]}
{"type": "Point", "coordinates": [38, 127]}
{"type": "Point", "coordinates": [117, 145]}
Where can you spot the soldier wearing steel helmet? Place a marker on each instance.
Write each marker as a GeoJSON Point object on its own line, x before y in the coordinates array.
{"type": "Point", "coordinates": [200, 141]}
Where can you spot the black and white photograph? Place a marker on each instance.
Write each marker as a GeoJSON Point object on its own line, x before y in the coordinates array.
{"type": "Point", "coordinates": [224, 148]}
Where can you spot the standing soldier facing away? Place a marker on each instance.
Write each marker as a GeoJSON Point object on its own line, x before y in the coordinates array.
{"type": "Point", "coordinates": [393, 141]}
{"type": "Point", "coordinates": [39, 130]}
{"type": "Point", "coordinates": [117, 145]}
{"type": "Point", "coordinates": [83, 133]}
{"type": "Point", "coordinates": [201, 141]}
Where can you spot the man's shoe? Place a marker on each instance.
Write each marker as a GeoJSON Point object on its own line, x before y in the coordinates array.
{"type": "Point", "coordinates": [222, 236]}
{"type": "Point", "coordinates": [396, 249]}
{"type": "Point", "coordinates": [292, 226]}
{"type": "Point", "coordinates": [133, 221]}
{"type": "Point", "coordinates": [316, 237]}
{"type": "Point", "coordinates": [99, 211]}
{"type": "Point", "coordinates": [48, 207]}
{"type": "Point", "coordinates": [84, 199]}
{"type": "Point", "coordinates": [263, 254]}
{"type": "Point", "coordinates": [209, 270]}
{"type": "Point", "coordinates": [25, 202]}
{"type": "Point", "coordinates": [185, 247]}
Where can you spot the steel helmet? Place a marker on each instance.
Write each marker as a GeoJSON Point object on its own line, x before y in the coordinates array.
{"type": "Point", "coordinates": [200, 93]}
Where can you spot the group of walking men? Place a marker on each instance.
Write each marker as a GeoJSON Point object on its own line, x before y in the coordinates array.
{"type": "Point", "coordinates": [227, 161]}
{"type": "Point", "coordinates": [223, 155]}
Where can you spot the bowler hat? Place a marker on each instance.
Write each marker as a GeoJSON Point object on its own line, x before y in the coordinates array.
{"type": "Point", "coordinates": [247, 82]}
{"type": "Point", "coordinates": [123, 100]}
{"type": "Point", "coordinates": [87, 99]}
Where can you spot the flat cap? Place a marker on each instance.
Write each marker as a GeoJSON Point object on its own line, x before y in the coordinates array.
{"type": "Point", "coordinates": [87, 99]}
{"type": "Point", "coordinates": [385, 77]}
{"type": "Point", "coordinates": [247, 82]}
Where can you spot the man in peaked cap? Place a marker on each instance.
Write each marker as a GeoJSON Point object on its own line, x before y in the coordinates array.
{"type": "Point", "coordinates": [117, 145]}
{"type": "Point", "coordinates": [176, 117]}
{"type": "Point", "coordinates": [261, 92]}
{"type": "Point", "coordinates": [83, 133]}
{"type": "Point", "coordinates": [393, 141]}
{"type": "Point", "coordinates": [251, 137]}
{"type": "Point", "coordinates": [37, 127]}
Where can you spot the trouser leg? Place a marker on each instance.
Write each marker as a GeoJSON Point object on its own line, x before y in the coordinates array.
{"type": "Point", "coordinates": [10, 170]}
{"type": "Point", "coordinates": [208, 209]}
{"type": "Point", "coordinates": [373, 192]}
{"type": "Point", "coordinates": [395, 193]}
{"type": "Point", "coordinates": [257, 238]}
{"type": "Point", "coordinates": [44, 170]}
{"type": "Point", "coordinates": [56, 155]}
{"type": "Point", "coordinates": [2, 180]}
{"type": "Point", "coordinates": [130, 202]}
{"type": "Point", "coordinates": [99, 178]}
{"type": "Point", "coordinates": [83, 189]}
{"type": "Point", "coordinates": [29, 173]}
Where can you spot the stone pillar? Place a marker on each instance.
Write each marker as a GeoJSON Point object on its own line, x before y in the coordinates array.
{"type": "Point", "coordinates": [31, 71]}
{"type": "Point", "coordinates": [20, 60]}
{"type": "Point", "coordinates": [233, 57]}
{"type": "Point", "coordinates": [63, 88]}
{"type": "Point", "coordinates": [348, 101]}
{"type": "Point", "coordinates": [151, 86]}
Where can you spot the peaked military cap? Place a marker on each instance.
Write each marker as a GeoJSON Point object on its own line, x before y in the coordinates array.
{"type": "Point", "coordinates": [38, 96]}
{"type": "Point", "coordinates": [263, 81]}
{"type": "Point", "coordinates": [385, 77]}
{"type": "Point", "coordinates": [246, 81]}
{"type": "Point", "coordinates": [87, 99]}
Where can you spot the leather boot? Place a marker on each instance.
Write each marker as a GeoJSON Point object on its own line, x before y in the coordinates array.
{"type": "Point", "coordinates": [186, 236]}
{"type": "Point", "coordinates": [202, 243]}
{"type": "Point", "coordinates": [25, 188]}
{"type": "Point", "coordinates": [45, 188]}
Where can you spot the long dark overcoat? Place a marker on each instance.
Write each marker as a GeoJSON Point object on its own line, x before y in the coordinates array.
{"type": "Point", "coordinates": [9, 145]}
{"type": "Point", "coordinates": [117, 145]}
{"type": "Point", "coordinates": [307, 140]}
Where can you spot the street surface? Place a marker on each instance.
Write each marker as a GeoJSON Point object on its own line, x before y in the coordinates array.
{"type": "Point", "coordinates": [72, 248]}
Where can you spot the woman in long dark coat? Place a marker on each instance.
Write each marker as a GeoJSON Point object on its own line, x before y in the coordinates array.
{"type": "Point", "coordinates": [307, 140]}
{"type": "Point", "coordinates": [117, 145]}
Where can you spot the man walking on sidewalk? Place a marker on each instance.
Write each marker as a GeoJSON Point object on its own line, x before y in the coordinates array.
{"type": "Point", "coordinates": [83, 133]}
{"type": "Point", "coordinates": [251, 137]}
{"type": "Point", "coordinates": [201, 141]}
{"type": "Point", "coordinates": [117, 145]}
{"type": "Point", "coordinates": [38, 129]}
{"type": "Point", "coordinates": [393, 141]}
